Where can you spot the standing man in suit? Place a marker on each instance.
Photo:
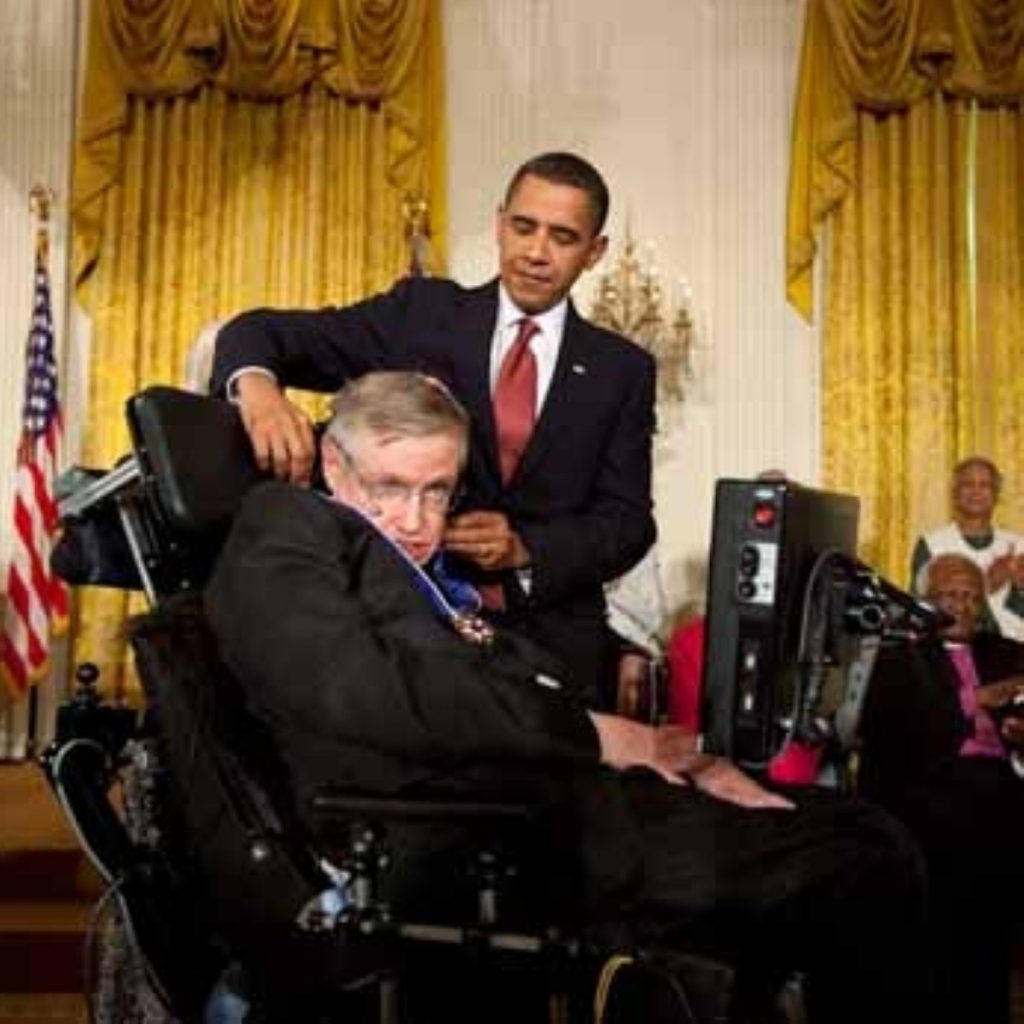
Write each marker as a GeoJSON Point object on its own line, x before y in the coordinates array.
{"type": "Point", "coordinates": [359, 653]}
{"type": "Point", "coordinates": [558, 488]}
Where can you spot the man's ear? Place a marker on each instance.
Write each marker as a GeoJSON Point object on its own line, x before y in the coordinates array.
{"type": "Point", "coordinates": [598, 247]}
{"type": "Point", "coordinates": [330, 462]}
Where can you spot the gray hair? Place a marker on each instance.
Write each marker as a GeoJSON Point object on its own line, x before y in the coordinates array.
{"type": "Point", "coordinates": [395, 404]}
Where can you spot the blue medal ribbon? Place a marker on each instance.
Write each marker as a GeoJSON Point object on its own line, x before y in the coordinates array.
{"type": "Point", "coordinates": [453, 600]}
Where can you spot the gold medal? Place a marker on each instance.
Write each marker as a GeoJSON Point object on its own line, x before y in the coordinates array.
{"type": "Point", "coordinates": [473, 629]}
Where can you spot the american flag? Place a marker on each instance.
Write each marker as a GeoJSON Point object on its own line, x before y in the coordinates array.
{"type": "Point", "coordinates": [37, 603]}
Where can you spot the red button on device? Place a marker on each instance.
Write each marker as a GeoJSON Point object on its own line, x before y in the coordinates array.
{"type": "Point", "coordinates": [764, 514]}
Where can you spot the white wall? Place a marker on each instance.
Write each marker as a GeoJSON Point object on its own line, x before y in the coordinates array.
{"type": "Point", "coordinates": [684, 105]}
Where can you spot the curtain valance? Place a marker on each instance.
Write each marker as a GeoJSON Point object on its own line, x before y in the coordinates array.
{"type": "Point", "coordinates": [361, 49]}
{"type": "Point", "coordinates": [366, 51]}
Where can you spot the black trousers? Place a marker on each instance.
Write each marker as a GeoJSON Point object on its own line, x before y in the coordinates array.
{"type": "Point", "coordinates": [969, 820]}
{"type": "Point", "coordinates": [835, 888]}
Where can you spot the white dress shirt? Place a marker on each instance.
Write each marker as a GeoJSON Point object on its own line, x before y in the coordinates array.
{"type": "Point", "coordinates": [544, 344]}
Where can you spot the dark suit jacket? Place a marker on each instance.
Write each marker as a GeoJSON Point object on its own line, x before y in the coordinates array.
{"type": "Point", "coordinates": [912, 726]}
{"type": "Point", "coordinates": [362, 687]}
{"type": "Point", "coordinates": [580, 499]}
{"type": "Point", "coordinates": [361, 683]}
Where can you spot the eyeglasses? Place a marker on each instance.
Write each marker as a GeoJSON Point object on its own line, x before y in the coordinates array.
{"type": "Point", "coordinates": [387, 496]}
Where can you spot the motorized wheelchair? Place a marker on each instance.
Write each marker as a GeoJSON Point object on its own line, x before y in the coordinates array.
{"type": "Point", "coordinates": [219, 887]}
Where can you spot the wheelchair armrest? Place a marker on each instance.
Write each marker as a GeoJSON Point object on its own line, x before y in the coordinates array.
{"type": "Point", "coordinates": [360, 805]}
{"type": "Point", "coordinates": [490, 860]}
{"type": "Point", "coordinates": [93, 548]}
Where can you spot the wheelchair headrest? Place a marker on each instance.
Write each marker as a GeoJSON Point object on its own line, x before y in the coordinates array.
{"type": "Point", "coordinates": [156, 521]}
{"type": "Point", "coordinates": [194, 451]}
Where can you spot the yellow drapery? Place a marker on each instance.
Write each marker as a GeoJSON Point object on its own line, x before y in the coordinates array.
{"type": "Point", "coordinates": [908, 144]}
{"type": "Point", "coordinates": [232, 154]}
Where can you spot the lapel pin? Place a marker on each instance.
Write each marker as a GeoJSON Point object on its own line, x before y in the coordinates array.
{"type": "Point", "coordinates": [579, 368]}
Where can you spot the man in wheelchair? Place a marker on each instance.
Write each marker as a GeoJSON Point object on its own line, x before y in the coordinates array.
{"type": "Point", "coordinates": [371, 673]}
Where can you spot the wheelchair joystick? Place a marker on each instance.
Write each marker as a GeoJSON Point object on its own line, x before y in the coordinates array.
{"type": "Point", "coordinates": [86, 677]}
{"type": "Point", "coordinates": [87, 717]}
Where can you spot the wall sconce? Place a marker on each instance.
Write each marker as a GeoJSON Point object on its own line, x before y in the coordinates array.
{"type": "Point", "coordinates": [630, 301]}
{"type": "Point", "coordinates": [416, 218]}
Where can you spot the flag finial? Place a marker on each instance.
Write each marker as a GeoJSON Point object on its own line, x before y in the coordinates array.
{"type": "Point", "coordinates": [40, 199]}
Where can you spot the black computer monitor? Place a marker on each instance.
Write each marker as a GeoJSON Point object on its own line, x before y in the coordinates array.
{"type": "Point", "coordinates": [766, 537]}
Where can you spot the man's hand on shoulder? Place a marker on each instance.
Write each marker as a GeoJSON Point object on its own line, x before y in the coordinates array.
{"type": "Point", "coordinates": [487, 539]}
{"type": "Point", "coordinates": [281, 434]}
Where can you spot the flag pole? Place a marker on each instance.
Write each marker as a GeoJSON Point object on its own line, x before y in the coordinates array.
{"type": "Point", "coordinates": [40, 201]}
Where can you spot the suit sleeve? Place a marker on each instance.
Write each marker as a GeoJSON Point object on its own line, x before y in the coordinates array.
{"type": "Point", "coordinates": [997, 657]}
{"type": "Point", "coordinates": [316, 350]}
{"type": "Point", "coordinates": [612, 533]}
{"type": "Point", "coordinates": [911, 726]}
{"type": "Point", "coordinates": [288, 605]}
{"type": "Point", "coordinates": [885, 753]}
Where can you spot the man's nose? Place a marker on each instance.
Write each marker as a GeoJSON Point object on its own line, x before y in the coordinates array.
{"type": "Point", "coordinates": [412, 512]}
{"type": "Point", "coordinates": [538, 247]}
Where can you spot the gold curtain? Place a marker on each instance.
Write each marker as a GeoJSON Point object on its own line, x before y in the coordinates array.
{"type": "Point", "coordinates": [907, 155]}
{"type": "Point", "coordinates": [235, 154]}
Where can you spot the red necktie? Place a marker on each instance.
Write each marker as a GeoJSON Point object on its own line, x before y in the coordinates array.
{"type": "Point", "coordinates": [515, 399]}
